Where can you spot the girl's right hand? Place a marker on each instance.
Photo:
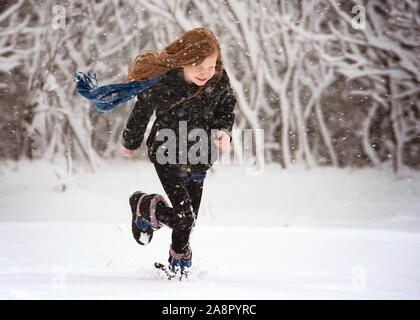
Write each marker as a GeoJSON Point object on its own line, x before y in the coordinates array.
{"type": "Point", "coordinates": [126, 152]}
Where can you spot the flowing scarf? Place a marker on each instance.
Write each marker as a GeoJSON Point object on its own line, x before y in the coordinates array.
{"type": "Point", "coordinates": [109, 96]}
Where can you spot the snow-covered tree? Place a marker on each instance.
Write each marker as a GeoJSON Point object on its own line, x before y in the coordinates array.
{"type": "Point", "coordinates": [384, 54]}
{"type": "Point", "coordinates": [331, 82]}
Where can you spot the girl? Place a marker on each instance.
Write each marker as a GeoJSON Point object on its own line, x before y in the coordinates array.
{"type": "Point", "coordinates": [193, 94]}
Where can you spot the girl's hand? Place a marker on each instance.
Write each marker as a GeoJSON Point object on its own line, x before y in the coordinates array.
{"type": "Point", "coordinates": [224, 140]}
{"type": "Point", "coordinates": [126, 152]}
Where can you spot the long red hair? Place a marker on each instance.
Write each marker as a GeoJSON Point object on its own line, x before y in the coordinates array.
{"type": "Point", "coordinates": [192, 48]}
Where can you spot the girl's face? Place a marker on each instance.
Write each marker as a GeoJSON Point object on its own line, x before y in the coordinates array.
{"type": "Point", "coordinates": [200, 74]}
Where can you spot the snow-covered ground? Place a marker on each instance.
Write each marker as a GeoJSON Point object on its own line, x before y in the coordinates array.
{"type": "Point", "coordinates": [297, 234]}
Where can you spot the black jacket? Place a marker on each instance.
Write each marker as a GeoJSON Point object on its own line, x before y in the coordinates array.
{"type": "Point", "coordinates": [211, 109]}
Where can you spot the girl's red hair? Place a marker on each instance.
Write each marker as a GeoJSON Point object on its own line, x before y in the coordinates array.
{"type": "Point", "coordinates": [191, 48]}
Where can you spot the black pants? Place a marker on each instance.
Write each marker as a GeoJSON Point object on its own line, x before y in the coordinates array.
{"type": "Point", "coordinates": [184, 191]}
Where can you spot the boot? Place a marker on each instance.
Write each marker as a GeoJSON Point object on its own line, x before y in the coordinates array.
{"type": "Point", "coordinates": [180, 262]}
{"type": "Point", "coordinates": [141, 229]}
{"type": "Point", "coordinates": [144, 222]}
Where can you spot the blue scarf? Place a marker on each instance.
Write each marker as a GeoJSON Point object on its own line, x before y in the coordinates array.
{"type": "Point", "coordinates": [109, 96]}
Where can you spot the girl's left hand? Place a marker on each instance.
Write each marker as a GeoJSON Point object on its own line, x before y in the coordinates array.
{"type": "Point", "coordinates": [126, 152]}
{"type": "Point", "coordinates": [224, 140]}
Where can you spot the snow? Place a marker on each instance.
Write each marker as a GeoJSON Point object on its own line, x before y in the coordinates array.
{"type": "Point", "coordinates": [323, 233]}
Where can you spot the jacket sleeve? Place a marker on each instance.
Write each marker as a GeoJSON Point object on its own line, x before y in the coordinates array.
{"type": "Point", "coordinates": [224, 116]}
{"type": "Point", "coordinates": [133, 133]}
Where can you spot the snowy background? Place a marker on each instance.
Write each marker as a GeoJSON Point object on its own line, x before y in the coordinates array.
{"type": "Point", "coordinates": [333, 212]}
